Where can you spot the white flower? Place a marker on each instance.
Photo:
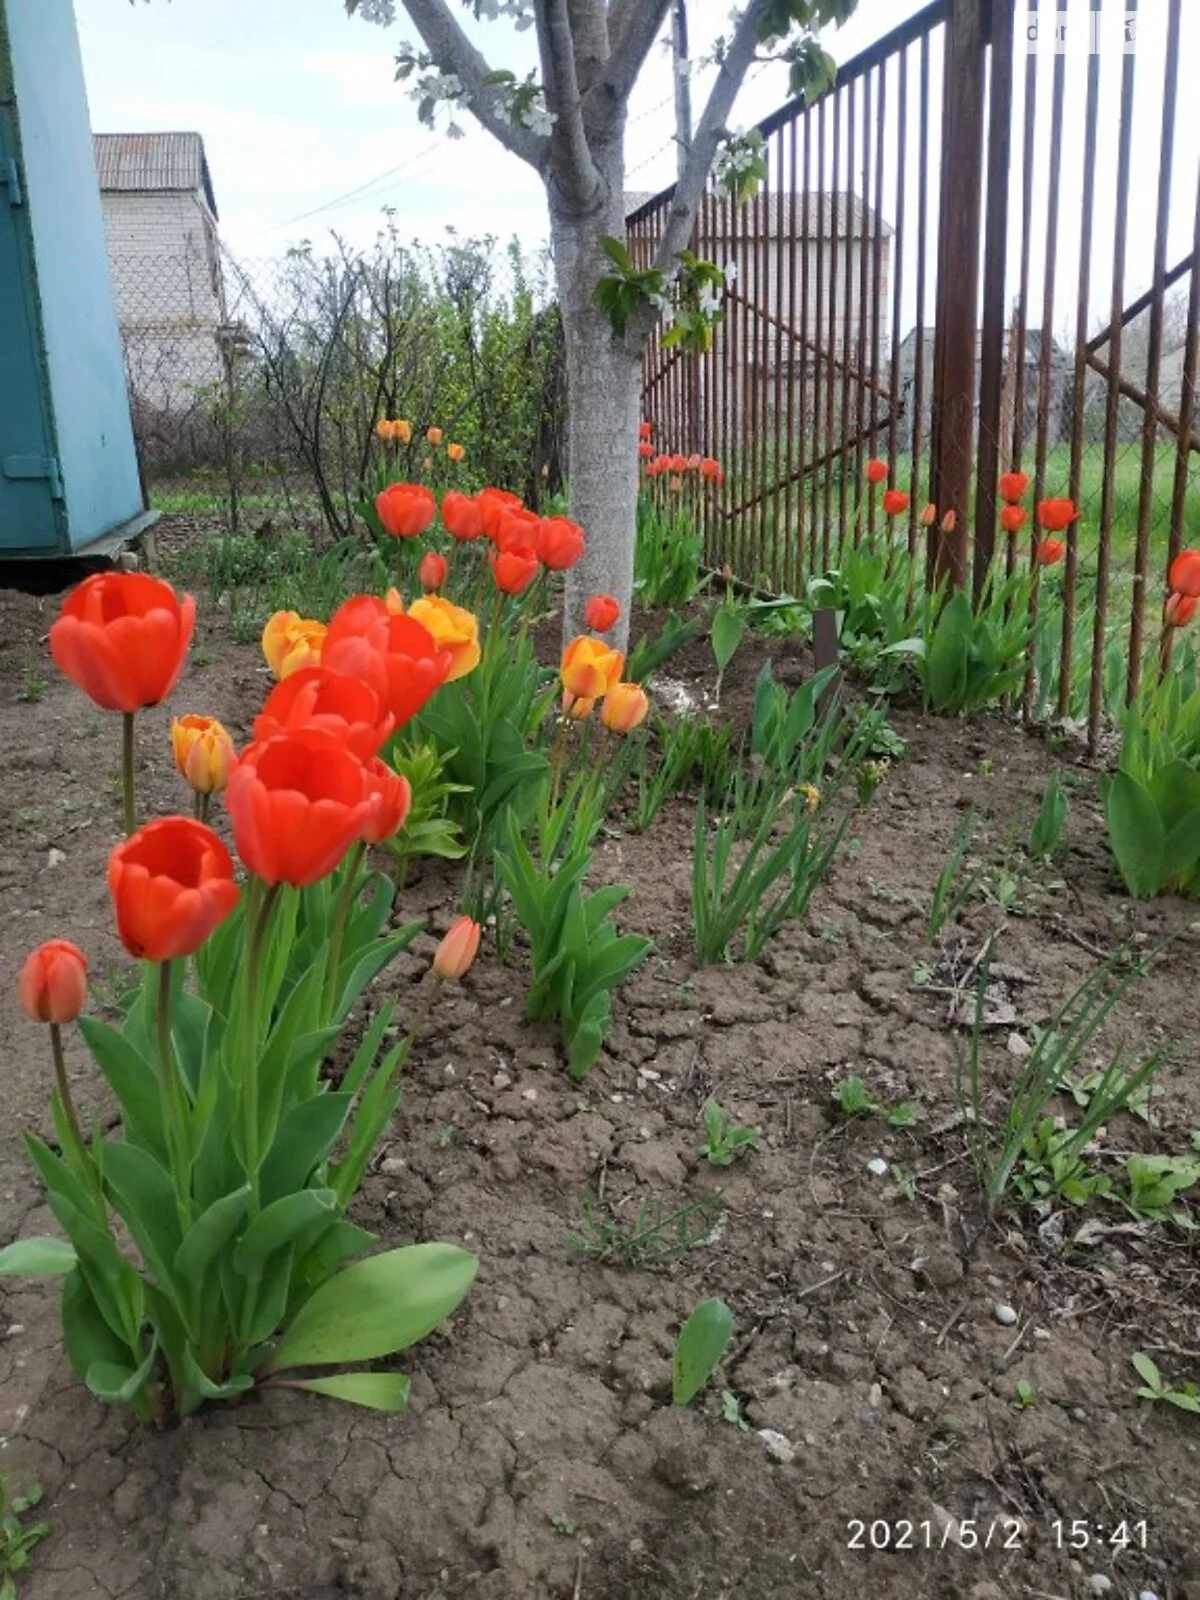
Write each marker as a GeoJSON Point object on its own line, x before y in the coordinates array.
{"type": "Point", "coordinates": [382, 12]}
{"type": "Point", "coordinates": [731, 274]}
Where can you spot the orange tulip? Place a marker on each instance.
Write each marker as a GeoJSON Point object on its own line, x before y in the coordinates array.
{"type": "Point", "coordinates": [1012, 486]}
{"type": "Point", "coordinates": [514, 569]}
{"type": "Point", "coordinates": [1048, 552]}
{"type": "Point", "coordinates": [455, 452]}
{"type": "Point", "coordinates": [394, 601]}
{"type": "Point", "coordinates": [950, 521]}
{"type": "Point", "coordinates": [337, 704]}
{"type": "Point", "coordinates": [601, 613]}
{"type": "Point", "coordinates": [383, 429]}
{"type": "Point", "coordinates": [453, 629]}
{"type": "Point", "coordinates": [393, 795]}
{"type": "Point", "coordinates": [576, 707]}
{"type": "Point", "coordinates": [203, 752]}
{"type": "Point", "coordinates": [53, 982]}
{"type": "Point", "coordinates": [645, 450]}
{"type": "Point", "coordinates": [402, 430]}
{"type": "Point", "coordinates": [1181, 608]}
{"type": "Point", "coordinates": [1184, 576]}
{"type": "Point", "coordinates": [560, 543]}
{"type": "Point", "coordinates": [1013, 518]}
{"type": "Point", "coordinates": [928, 515]}
{"type": "Point", "coordinates": [121, 637]}
{"type": "Point", "coordinates": [406, 509]}
{"type": "Point", "coordinates": [625, 707]}
{"type": "Point", "coordinates": [171, 885]}
{"type": "Point", "coordinates": [877, 471]}
{"type": "Point", "coordinates": [493, 503]}
{"type": "Point", "coordinates": [712, 470]}
{"type": "Point", "coordinates": [434, 436]}
{"type": "Point", "coordinates": [291, 643]}
{"type": "Point", "coordinates": [297, 803]}
{"type": "Point", "coordinates": [645, 430]}
{"type": "Point", "coordinates": [394, 654]}
{"type": "Point", "coordinates": [1056, 515]}
{"type": "Point", "coordinates": [590, 669]}
{"type": "Point", "coordinates": [895, 502]}
{"type": "Point", "coordinates": [459, 947]}
{"type": "Point", "coordinates": [461, 515]}
{"type": "Point", "coordinates": [432, 571]}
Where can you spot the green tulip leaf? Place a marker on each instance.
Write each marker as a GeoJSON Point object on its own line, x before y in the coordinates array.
{"type": "Point", "coordinates": [279, 1225]}
{"type": "Point", "coordinates": [37, 1258]}
{"type": "Point", "coordinates": [379, 1391]}
{"type": "Point", "coordinates": [1135, 832]}
{"type": "Point", "coordinates": [700, 1346]}
{"type": "Point", "coordinates": [377, 1306]}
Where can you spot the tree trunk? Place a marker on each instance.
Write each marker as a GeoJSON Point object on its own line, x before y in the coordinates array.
{"type": "Point", "coordinates": [603, 409]}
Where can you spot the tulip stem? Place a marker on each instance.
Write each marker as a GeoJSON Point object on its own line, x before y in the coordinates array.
{"type": "Point", "coordinates": [64, 1089]}
{"type": "Point", "coordinates": [200, 808]}
{"type": "Point", "coordinates": [258, 912]}
{"type": "Point", "coordinates": [127, 772]}
{"type": "Point", "coordinates": [176, 1107]}
{"type": "Point", "coordinates": [341, 916]}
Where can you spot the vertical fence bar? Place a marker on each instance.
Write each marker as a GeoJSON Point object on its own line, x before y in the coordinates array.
{"type": "Point", "coordinates": [763, 205]}
{"type": "Point", "coordinates": [756, 378]}
{"type": "Point", "coordinates": [1066, 663]}
{"type": "Point", "coordinates": [919, 376]}
{"type": "Point", "coordinates": [833, 209]}
{"type": "Point", "coordinates": [995, 273]}
{"type": "Point", "coordinates": [1112, 409]}
{"type": "Point", "coordinates": [898, 277]}
{"type": "Point", "coordinates": [816, 204]}
{"type": "Point", "coordinates": [1045, 355]}
{"type": "Point", "coordinates": [724, 211]}
{"type": "Point", "coordinates": [1187, 416]}
{"type": "Point", "coordinates": [862, 316]}
{"type": "Point", "coordinates": [1166, 165]}
{"type": "Point", "coordinates": [798, 354]}
{"type": "Point", "coordinates": [784, 246]}
{"type": "Point", "coordinates": [847, 228]}
{"type": "Point", "coordinates": [736, 403]}
{"type": "Point", "coordinates": [877, 300]}
{"type": "Point", "coordinates": [1018, 344]}
{"type": "Point", "coordinates": [958, 272]}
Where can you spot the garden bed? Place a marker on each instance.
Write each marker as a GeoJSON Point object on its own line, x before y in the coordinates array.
{"type": "Point", "coordinates": [897, 1361]}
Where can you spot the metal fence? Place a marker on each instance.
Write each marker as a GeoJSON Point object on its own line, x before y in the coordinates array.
{"type": "Point", "coordinates": [972, 256]}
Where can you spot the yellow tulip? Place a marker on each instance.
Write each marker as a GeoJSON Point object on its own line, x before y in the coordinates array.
{"type": "Point", "coordinates": [203, 752]}
{"type": "Point", "coordinates": [453, 629]}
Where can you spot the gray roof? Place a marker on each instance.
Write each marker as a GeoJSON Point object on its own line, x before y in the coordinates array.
{"type": "Point", "coordinates": [819, 216]}
{"type": "Point", "coordinates": [153, 163]}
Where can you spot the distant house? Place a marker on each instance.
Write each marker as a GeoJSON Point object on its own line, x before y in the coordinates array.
{"type": "Point", "coordinates": [160, 219]}
{"type": "Point", "coordinates": [1059, 375]}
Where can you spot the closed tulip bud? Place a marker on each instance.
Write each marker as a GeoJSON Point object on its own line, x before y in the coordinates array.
{"type": "Point", "coordinates": [1049, 552]}
{"type": "Point", "coordinates": [625, 708]}
{"type": "Point", "coordinates": [1184, 576]}
{"type": "Point", "coordinates": [928, 515]}
{"type": "Point", "coordinates": [1181, 608]}
{"type": "Point", "coordinates": [1056, 516]}
{"type": "Point", "coordinates": [203, 752]}
{"type": "Point", "coordinates": [455, 955]}
{"type": "Point", "coordinates": [402, 430]}
{"type": "Point", "coordinates": [455, 452]}
{"type": "Point", "coordinates": [950, 521]}
{"type": "Point", "coordinates": [434, 436]}
{"type": "Point", "coordinates": [590, 669]}
{"type": "Point", "coordinates": [895, 502]}
{"type": "Point", "coordinates": [1013, 518]}
{"type": "Point", "coordinates": [576, 707]}
{"type": "Point", "coordinates": [1012, 486]}
{"type": "Point", "coordinates": [394, 601]}
{"type": "Point", "coordinates": [53, 982]}
{"type": "Point", "coordinates": [876, 471]}
{"type": "Point", "coordinates": [432, 571]}
{"type": "Point", "coordinates": [601, 613]}
{"type": "Point", "coordinates": [383, 429]}
{"type": "Point", "coordinates": [405, 509]}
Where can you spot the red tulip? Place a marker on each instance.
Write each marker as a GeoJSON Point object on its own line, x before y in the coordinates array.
{"type": "Point", "coordinates": [516, 529]}
{"type": "Point", "coordinates": [646, 450]}
{"type": "Point", "coordinates": [1056, 515]}
{"type": "Point", "coordinates": [1181, 608]}
{"type": "Point", "coordinates": [1048, 552]}
{"type": "Point", "coordinates": [432, 571]}
{"type": "Point", "coordinates": [560, 543]}
{"type": "Point", "coordinates": [515, 569]}
{"type": "Point", "coordinates": [895, 502]}
{"type": "Point", "coordinates": [877, 471]}
{"type": "Point", "coordinates": [393, 799]}
{"type": "Point", "coordinates": [1013, 518]}
{"type": "Point", "coordinates": [395, 654]}
{"type": "Point", "coordinates": [461, 515]}
{"type": "Point", "coordinates": [458, 949]}
{"type": "Point", "coordinates": [712, 470]}
{"type": "Point", "coordinates": [645, 430]}
{"type": "Point", "coordinates": [338, 704]}
{"type": "Point", "coordinates": [677, 463]}
{"type": "Point", "coordinates": [406, 509]}
{"type": "Point", "coordinates": [601, 613]}
{"type": "Point", "coordinates": [53, 982]}
{"type": "Point", "coordinates": [121, 637]}
{"type": "Point", "coordinates": [492, 503]}
{"type": "Point", "coordinates": [171, 884]}
{"type": "Point", "coordinates": [1184, 576]}
{"type": "Point", "coordinates": [1012, 486]}
{"type": "Point", "coordinates": [297, 803]}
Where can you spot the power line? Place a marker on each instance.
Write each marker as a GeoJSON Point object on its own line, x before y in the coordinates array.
{"type": "Point", "coordinates": [352, 194]}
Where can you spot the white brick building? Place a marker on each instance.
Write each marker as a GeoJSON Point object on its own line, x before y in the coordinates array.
{"type": "Point", "coordinates": [160, 219]}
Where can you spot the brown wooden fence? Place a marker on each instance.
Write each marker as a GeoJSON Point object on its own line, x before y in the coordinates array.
{"type": "Point", "coordinates": [972, 256]}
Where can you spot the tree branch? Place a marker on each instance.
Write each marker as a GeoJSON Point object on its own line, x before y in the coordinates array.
{"type": "Point", "coordinates": [689, 191]}
{"type": "Point", "coordinates": [633, 35]}
{"type": "Point", "coordinates": [453, 52]}
{"type": "Point", "coordinates": [570, 155]}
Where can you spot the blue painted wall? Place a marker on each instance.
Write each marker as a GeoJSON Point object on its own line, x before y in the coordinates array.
{"type": "Point", "coordinates": [82, 343]}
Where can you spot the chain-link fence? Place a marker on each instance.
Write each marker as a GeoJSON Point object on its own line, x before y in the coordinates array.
{"type": "Point", "coordinates": [256, 385]}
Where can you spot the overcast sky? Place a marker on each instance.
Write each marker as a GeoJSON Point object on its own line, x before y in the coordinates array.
{"type": "Point", "coordinates": [306, 129]}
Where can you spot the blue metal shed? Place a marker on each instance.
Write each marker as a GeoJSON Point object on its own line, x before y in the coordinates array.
{"type": "Point", "coordinates": [69, 478]}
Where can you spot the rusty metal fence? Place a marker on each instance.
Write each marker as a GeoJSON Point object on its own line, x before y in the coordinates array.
{"type": "Point", "coordinates": [976, 254]}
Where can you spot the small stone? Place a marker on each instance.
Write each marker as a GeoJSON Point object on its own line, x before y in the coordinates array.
{"type": "Point", "coordinates": [13, 1329]}
{"type": "Point", "coordinates": [501, 1080]}
{"type": "Point", "coordinates": [1019, 1046]}
{"type": "Point", "coordinates": [1005, 1315]}
{"type": "Point", "coordinates": [1078, 1414]}
{"type": "Point", "coordinates": [649, 1072]}
{"type": "Point", "coordinates": [529, 1094]}
{"type": "Point", "coordinates": [878, 1167]}
{"type": "Point", "coordinates": [779, 1447]}
{"type": "Point", "coordinates": [1042, 1333]}
{"type": "Point", "coordinates": [392, 1166]}
{"type": "Point", "coordinates": [1147, 1594]}
{"type": "Point", "coordinates": [1099, 1583]}
{"type": "Point", "coordinates": [56, 857]}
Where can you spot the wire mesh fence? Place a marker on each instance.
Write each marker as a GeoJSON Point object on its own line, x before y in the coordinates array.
{"type": "Point", "coordinates": [971, 257]}
{"type": "Point", "coordinates": [256, 386]}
